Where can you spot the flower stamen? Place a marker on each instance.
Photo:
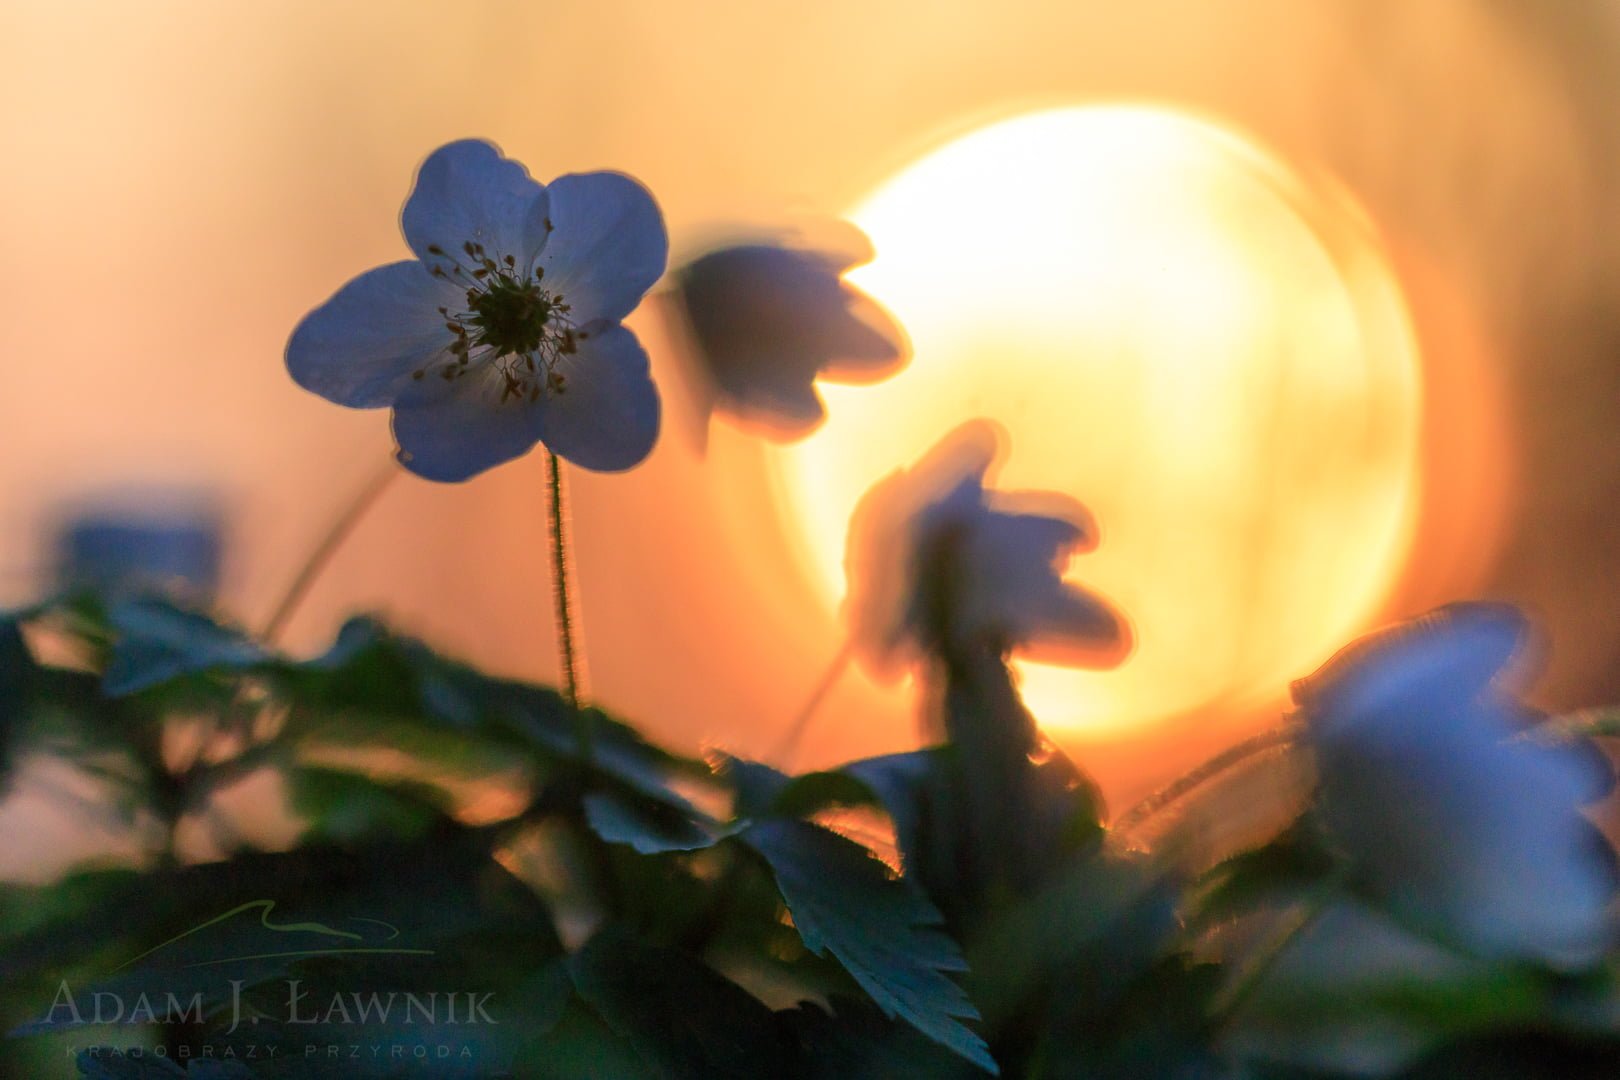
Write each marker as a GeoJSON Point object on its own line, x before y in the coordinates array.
{"type": "Point", "coordinates": [511, 321]}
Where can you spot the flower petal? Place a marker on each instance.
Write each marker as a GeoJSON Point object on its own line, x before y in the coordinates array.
{"type": "Point", "coordinates": [1075, 628]}
{"type": "Point", "coordinates": [361, 347]}
{"type": "Point", "coordinates": [881, 600]}
{"type": "Point", "coordinates": [868, 344]}
{"type": "Point", "coordinates": [781, 406]}
{"type": "Point", "coordinates": [1450, 655]}
{"type": "Point", "coordinates": [609, 245]}
{"type": "Point", "coordinates": [1454, 814]}
{"type": "Point", "coordinates": [606, 416]}
{"type": "Point", "coordinates": [1471, 832]}
{"type": "Point", "coordinates": [450, 432]}
{"type": "Point", "coordinates": [466, 192]}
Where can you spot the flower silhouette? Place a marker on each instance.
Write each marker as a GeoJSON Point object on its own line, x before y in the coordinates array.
{"type": "Point", "coordinates": [505, 329]}
{"type": "Point", "coordinates": [935, 562]}
{"type": "Point", "coordinates": [767, 320]}
{"type": "Point", "coordinates": [1451, 809]}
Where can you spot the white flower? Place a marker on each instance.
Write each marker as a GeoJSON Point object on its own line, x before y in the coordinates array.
{"type": "Point", "coordinates": [934, 561]}
{"type": "Point", "coordinates": [505, 329]}
{"type": "Point", "coordinates": [768, 320]}
{"type": "Point", "coordinates": [1450, 808]}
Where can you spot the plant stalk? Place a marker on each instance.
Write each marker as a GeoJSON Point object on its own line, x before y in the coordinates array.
{"type": "Point", "coordinates": [562, 597]}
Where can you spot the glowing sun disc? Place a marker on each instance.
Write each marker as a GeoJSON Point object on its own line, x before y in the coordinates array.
{"type": "Point", "coordinates": [1206, 348]}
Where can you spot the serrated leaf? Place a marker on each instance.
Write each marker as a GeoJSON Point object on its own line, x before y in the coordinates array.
{"type": "Point", "coordinates": [812, 793]}
{"type": "Point", "coordinates": [754, 785]}
{"type": "Point", "coordinates": [618, 752]}
{"type": "Point", "coordinates": [898, 781]}
{"type": "Point", "coordinates": [650, 828]}
{"type": "Point", "coordinates": [884, 932]}
{"type": "Point", "coordinates": [158, 641]}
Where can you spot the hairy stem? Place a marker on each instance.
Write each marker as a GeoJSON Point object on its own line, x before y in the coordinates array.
{"type": "Point", "coordinates": [1220, 763]}
{"type": "Point", "coordinates": [562, 597]}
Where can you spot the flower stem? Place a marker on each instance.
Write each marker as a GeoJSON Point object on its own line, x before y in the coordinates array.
{"type": "Point", "coordinates": [321, 556]}
{"type": "Point", "coordinates": [1233, 756]}
{"type": "Point", "coordinates": [562, 597]}
{"type": "Point", "coordinates": [782, 756]}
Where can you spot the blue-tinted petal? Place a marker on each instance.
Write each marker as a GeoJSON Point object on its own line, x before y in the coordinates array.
{"type": "Point", "coordinates": [755, 304]}
{"type": "Point", "coordinates": [606, 416]}
{"type": "Point", "coordinates": [780, 406]}
{"type": "Point", "coordinates": [466, 192]}
{"type": "Point", "coordinates": [1448, 656]}
{"type": "Point", "coordinates": [454, 431]}
{"type": "Point", "coordinates": [881, 601]}
{"type": "Point", "coordinates": [867, 344]}
{"type": "Point", "coordinates": [608, 246]}
{"type": "Point", "coordinates": [361, 347]}
{"type": "Point", "coordinates": [1072, 627]}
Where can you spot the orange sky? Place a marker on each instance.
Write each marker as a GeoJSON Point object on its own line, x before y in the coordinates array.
{"type": "Point", "coordinates": [183, 180]}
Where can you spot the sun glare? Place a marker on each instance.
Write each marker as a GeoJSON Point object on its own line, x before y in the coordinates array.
{"type": "Point", "coordinates": [1206, 347]}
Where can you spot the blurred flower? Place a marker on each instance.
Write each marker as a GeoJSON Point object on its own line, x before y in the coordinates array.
{"type": "Point", "coordinates": [934, 562]}
{"type": "Point", "coordinates": [504, 330]}
{"type": "Point", "coordinates": [142, 540]}
{"type": "Point", "coordinates": [1451, 808]}
{"type": "Point", "coordinates": [768, 320]}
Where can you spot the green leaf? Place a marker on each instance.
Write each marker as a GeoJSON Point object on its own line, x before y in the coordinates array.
{"type": "Point", "coordinates": [903, 783]}
{"type": "Point", "coordinates": [371, 669]}
{"type": "Point", "coordinates": [754, 785]}
{"type": "Point", "coordinates": [682, 1018]}
{"type": "Point", "coordinates": [651, 828]}
{"type": "Point", "coordinates": [811, 793]}
{"type": "Point", "coordinates": [1154, 1022]}
{"type": "Point", "coordinates": [843, 900]}
{"type": "Point", "coordinates": [346, 807]}
{"type": "Point", "coordinates": [619, 755]}
{"type": "Point", "coordinates": [1100, 920]}
{"type": "Point", "coordinates": [580, 1046]}
{"type": "Point", "coordinates": [158, 641]}
{"type": "Point", "coordinates": [406, 753]}
{"type": "Point", "coordinates": [1281, 870]}
{"type": "Point", "coordinates": [193, 929]}
{"type": "Point", "coordinates": [17, 681]}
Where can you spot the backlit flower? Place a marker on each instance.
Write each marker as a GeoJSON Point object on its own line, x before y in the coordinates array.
{"type": "Point", "coordinates": [935, 561]}
{"type": "Point", "coordinates": [1450, 807]}
{"type": "Point", "coordinates": [767, 320]}
{"type": "Point", "coordinates": [505, 329]}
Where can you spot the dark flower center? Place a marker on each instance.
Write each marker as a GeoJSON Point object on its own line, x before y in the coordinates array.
{"type": "Point", "coordinates": [510, 316]}
{"type": "Point", "coordinates": [512, 325]}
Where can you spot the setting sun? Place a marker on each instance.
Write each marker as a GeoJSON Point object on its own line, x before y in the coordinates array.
{"type": "Point", "coordinates": [1205, 346]}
